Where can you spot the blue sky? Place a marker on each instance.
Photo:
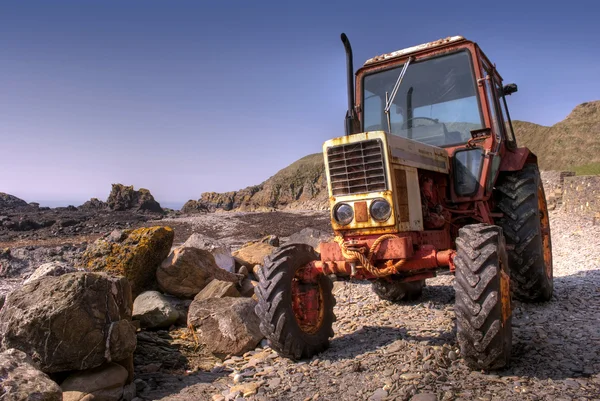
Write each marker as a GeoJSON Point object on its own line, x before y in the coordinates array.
{"type": "Point", "coordinates": [185, 97]}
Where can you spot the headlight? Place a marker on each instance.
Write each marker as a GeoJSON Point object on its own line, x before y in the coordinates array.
{"type": "Point", "coordinates": [380, 209]}
{"type": "Point", "coordinates": [343, 214]}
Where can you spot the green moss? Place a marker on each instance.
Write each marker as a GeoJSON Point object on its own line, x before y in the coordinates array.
{"type": "Point", "coordinates": [588, 169]}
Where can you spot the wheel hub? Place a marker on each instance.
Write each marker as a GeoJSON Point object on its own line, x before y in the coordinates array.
{"type": "Point", "coordinates": [308, 303]}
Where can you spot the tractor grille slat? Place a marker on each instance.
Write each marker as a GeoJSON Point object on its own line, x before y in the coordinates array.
{"type": "Point", "coordinates": [357, 168]}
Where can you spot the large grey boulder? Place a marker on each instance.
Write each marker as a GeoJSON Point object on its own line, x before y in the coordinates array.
{"type": "Point", "coordinates": [21, 381]}
{"type": "Point", "coordinates": [221, 253]}
{"type": "Point", "coordinates": [226, 325]}
{"type": "Point", "coordinates": [102, 383]}
{"type": "Point", "coordinates": [153, 310]}
{"type": "Point", "coordinates": [76, 321]}
{"type": "Point", "coordinates": [50, 269]}
{"type": "Point", "coordinates": [188, 270]}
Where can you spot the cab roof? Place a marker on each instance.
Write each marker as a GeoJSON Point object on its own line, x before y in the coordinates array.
{"type": "Point", "coordinates": [413, 49]}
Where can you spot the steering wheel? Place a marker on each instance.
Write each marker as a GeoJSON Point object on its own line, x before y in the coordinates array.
{"type": "Point", "coordinates": [405, 124]}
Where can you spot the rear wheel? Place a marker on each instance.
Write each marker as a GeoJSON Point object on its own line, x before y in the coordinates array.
{"type": "Point", "coordinates": [525, 222]}
{"type": "Point", "coordinates": [483, 307]}
{"type": "Point", "coordinates": [296, 316]}
{"type": "Point", "coordinates": [395, 291]}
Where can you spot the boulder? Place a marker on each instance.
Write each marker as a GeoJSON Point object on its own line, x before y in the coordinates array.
{"type": "Point", "coordinates": [193, 206]}
{"type": "Point", "coordinates": [76, 321]}
{"type": "Point", "coordinates": [135, 254]}
{"type": "Point", "coordinates": [226, 325]}
{"type": "Point", "coordinates": [221, 253]}
{"type": "Point", "coordinates": [217, 289]}
{"type": "Point", "coordinates": [124, 197]}
{"type": "Point", "coordinates": [253, 254]}
{"type": "Point", "coordinates": [188, 270]}
{"type": "Point", "coordinates": [102, 383]}
{"type": "Point", "coordinates": [50, 269]}
{"type": "Point", "coordinates": [153, 310]}
{"type": "Point", "coordinates": [310, 236]}
{"type": "Point", "coordinates": [21, 381]}
{"type": "Point", "coordinates": [94, 204]}
{"type": "Point", "coordinates": [247, 287]}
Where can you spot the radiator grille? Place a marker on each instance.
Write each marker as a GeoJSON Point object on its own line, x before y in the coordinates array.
{"type": "Point", "coordinates": [357, 168]}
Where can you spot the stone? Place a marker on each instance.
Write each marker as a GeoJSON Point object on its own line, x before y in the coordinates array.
{"type": "Point", "coordinates": [247, 287]}
{"type": "Point", "coordinates": [153, 310]}
{"type": "Point", "coordinates": [226, 325]}
{"type": "Point", "coordinates": [253, 254]}
{"type": "Point", "coordinates": [182, 306]}
{"type": "Point", "coordinates": [424, 397]}
{"type": "Point", "coordinates": [378, 395]}
{"type": "Point", "coordinates": [102, 383]}
{"type": "Point", "coordinates": [135, 254]}
{"type": "Point", "coordinates": [188, 270]}
{"type": "Point", "coordinates": [50, 269]}
{"type": "Point", "coordinates": [217, 289]}
{"type": "Point", "coordinates": [124, 197]}
{"type": "Point", "coordinates": [310, 236]}
{"type": "Point", "coordinates": [129, 392]}
{"type": "Point", "coordinates": [76, 321]}
{"type": "Point", "coordinates": [247, 389]}
{"type": "Point", "coordinates": [20, 380]}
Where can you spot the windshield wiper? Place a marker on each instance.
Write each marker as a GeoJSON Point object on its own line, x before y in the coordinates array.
{"type": "Point", "coordinates": [390, 99]}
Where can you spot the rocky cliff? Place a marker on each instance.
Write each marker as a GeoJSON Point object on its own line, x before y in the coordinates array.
{"type": "Point", "coordinates": [8, 201]}
{"type": "Point", "coordinates": [124, 197]}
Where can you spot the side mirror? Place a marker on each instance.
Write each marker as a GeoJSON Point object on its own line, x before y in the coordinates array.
{"type": "Point", "coordinates": [509, 89]}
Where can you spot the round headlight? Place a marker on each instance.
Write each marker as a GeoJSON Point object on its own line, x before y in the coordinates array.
{"type": "Point", "coordinates": [381, 209]}
{"type": "Point", "coordinates": [343, 213]}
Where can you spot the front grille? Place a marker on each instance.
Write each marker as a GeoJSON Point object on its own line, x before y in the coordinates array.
{"type": "Point", "coordinates": [357, 168]}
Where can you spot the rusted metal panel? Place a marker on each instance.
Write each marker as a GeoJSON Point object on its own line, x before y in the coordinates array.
{"type": "Point", "coordinates": [408, 152]}
{"type": "Point", "coordinates": [361, 215]}
{"type": "Point", "coordinates": [414, 49]}
{"type": "Point", "coordinates": [514, 160]}
{"type": "Point", "coordinates": [393, 248]}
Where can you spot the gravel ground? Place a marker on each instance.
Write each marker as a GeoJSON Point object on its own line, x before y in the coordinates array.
{"type": "Point", "coordinates": [385, 351]}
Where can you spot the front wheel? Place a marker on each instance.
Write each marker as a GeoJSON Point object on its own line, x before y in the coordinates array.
{"type": "Point", "coordinates": [483, 299]}
{"type": "Point", "coordinates": [296, 316]}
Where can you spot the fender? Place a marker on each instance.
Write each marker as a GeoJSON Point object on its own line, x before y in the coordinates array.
{"type": "Point", "coordinates": [514, 160]}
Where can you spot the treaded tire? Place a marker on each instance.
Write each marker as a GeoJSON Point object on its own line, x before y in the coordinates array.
{"type": "Point", "coordinates": [275, 310]}
{"type": "Point", "coordinates": [394, 291]}
{"type": "Point", "coordinates": [530, 247]}
{"type": "Point", "coordinates": [482, 285]}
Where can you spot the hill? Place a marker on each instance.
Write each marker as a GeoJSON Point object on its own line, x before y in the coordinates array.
{"type": "Point", "coordinates": [569, 144]}
{"type": "Point", "coordinates": [301, 185]}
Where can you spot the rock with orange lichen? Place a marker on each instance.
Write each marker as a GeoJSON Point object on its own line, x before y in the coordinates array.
{"type": "Point", "coordinates": [135, 254]}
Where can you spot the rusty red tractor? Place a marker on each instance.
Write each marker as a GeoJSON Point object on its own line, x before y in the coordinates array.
{"type": "Point", "coordinates": [428, 180]}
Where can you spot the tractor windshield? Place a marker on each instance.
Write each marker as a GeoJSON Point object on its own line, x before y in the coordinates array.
{"type": "Point", "coordinates": [436, 103]}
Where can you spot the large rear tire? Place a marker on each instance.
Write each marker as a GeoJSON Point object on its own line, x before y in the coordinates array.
{"type": "Point", "coordinates": [520, 197]}
{"type": "Point", "coordinates": [395, 291]}
{"type": "Point", "coordinates": [483, 307]}
{"type": "Point", "coordinates": [296, 316]}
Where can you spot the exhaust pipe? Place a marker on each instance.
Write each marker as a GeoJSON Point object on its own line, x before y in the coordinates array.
{"type": "Point", "coordinates": [350, 75]}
